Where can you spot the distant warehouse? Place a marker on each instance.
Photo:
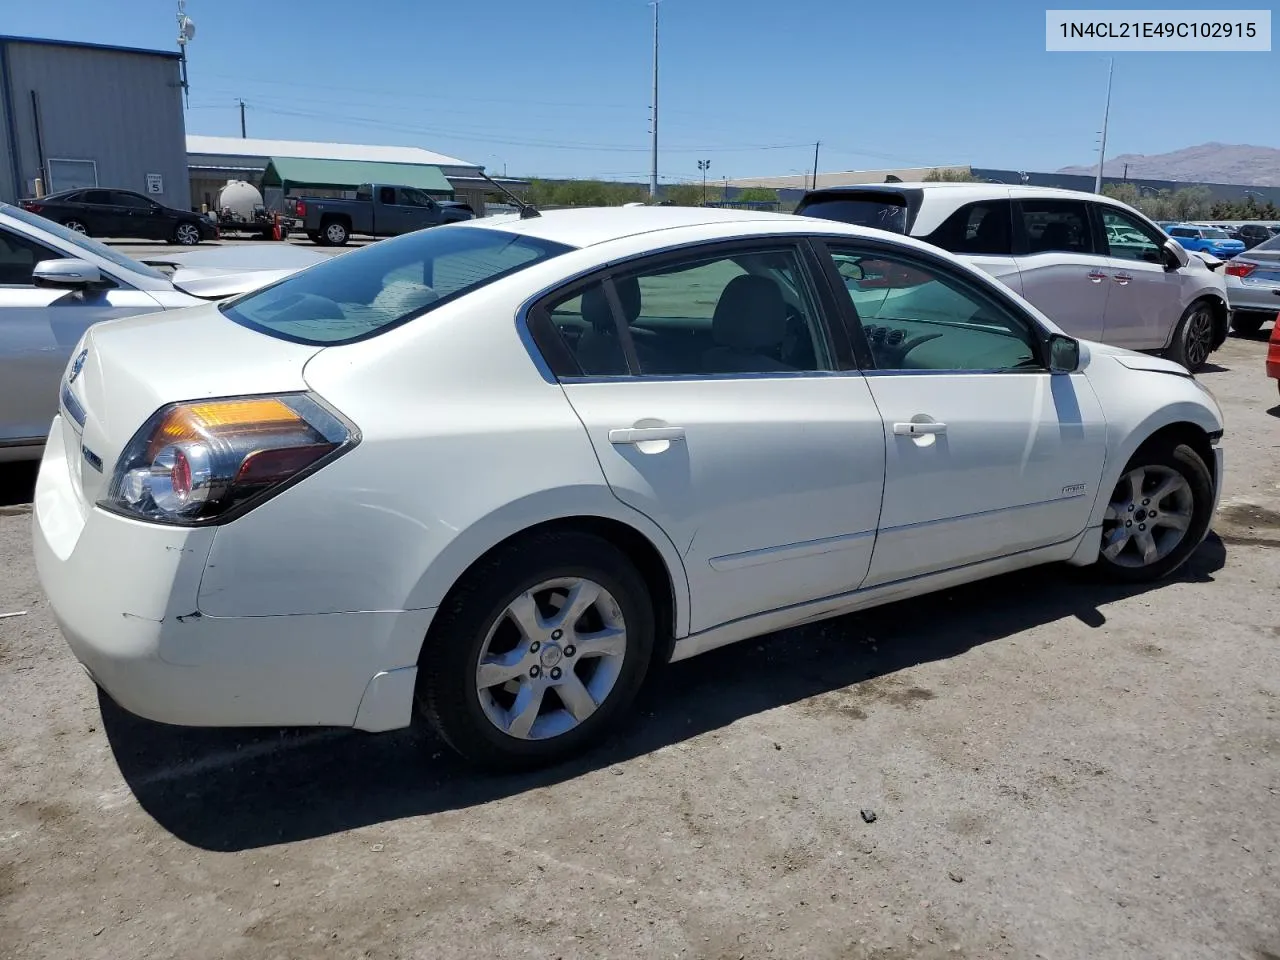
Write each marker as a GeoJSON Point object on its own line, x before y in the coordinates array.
{"type": "Point", "coordinates": [88, 115]}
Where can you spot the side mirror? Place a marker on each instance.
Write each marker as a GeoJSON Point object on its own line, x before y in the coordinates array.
{"type": "Point", "coordinates": [1064, 353]}
{"type": "Point", "coordinates": [850, 271]}
{"type": "Point", "coordinates": [1175, 255]}
{"type": "Point", "coordinates": [67, 273]}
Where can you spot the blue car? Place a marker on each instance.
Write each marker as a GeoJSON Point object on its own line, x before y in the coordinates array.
{"type": "Point", "coordinates": [1212, 240]}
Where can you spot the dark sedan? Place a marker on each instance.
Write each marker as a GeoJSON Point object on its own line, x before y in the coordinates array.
{"type": "Point", "coordinates": [122, 213]}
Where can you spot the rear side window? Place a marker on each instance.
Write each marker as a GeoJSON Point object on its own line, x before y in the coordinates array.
{"type": "Point", "coordinates": [1181, 232]}
{"type": "Point", "coordinates": [376, 288]}
{"type": "Point", "coordinates": [977, 228]}
{"type": "Point", "coordinates": [1056, 226]}
{"type": "Point", "coordinates": [95, 196]}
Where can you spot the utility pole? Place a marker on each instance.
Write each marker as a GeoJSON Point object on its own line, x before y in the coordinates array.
{"type": "Point", "coordinates": [815, 164]}
{"type": "Point", "coordinates": [241, 102]}
{"type": "Point", "coordinates": [653, 149]}
{"type": "Point", "coordinates": [704, 165]}
{"type": "Point", "coordinates": [1126, 173]}
{"type": "Point", "coordinates": [186, 33]}
{"type": "Point", "coordinates": [1106, 115]}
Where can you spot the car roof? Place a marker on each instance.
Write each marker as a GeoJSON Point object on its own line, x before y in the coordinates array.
{"type": "Point", "coordinates": [961, 187]}
{"type": "Point", "coordinates": [588, 226]}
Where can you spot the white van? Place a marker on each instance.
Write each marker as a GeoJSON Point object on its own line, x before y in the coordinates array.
{"type": "Point", "coordinates": [1097, 267]}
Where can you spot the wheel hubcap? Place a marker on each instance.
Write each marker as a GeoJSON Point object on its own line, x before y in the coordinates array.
{"type": "Point", "coordinates": [1148, 516]}
{"type": "Point", "coordinates": [336, 234]}
{"type": "Point", "coordinates": [77, 227]}
{"type": "Point", "coordinates": [1199, 334]}
{"type": "Point", "coordinates": [551, 658]}
{"type": "Point", "coordinates": [188, 234]}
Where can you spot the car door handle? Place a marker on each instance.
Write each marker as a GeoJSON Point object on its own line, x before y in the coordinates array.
{"type": "Point", "coordinates": [641, 434]}
{"type": "Point", "coordinates": [1097, 276]}
{"type": "Point", "coordinates": [1123, 278]}
{"type": "Point", "coordinates": [918, 429]}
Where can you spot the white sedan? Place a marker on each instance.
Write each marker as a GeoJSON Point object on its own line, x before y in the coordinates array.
{"type": "Point", "coordinates": [496, 470]}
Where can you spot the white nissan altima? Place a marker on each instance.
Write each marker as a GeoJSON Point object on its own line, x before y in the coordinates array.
{"type": "Point", "coordinates": [494, 471]}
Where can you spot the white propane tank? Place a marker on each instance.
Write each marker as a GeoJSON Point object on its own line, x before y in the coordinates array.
{"type": "Point", "coordinates": [240, 197]}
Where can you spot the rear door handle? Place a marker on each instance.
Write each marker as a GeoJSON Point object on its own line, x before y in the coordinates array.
{"type": "Point", "coordinates": [641, 434]}
{"type": "Point", "coordinates": [1123, 278]}
{"type": "Point", "coordinates": [918, 429]}
{"type": "Point", "coordinates": [1097, 276]}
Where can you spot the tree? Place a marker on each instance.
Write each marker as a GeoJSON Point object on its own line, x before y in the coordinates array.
{"type": "Point", "coordinates": [951, 175]}
{"type": "Point", "coordinates": [582, 193]}
{"type": "Point", "coordinates": [758, 194]}
{"type": "Point", "coordinates": [683, 194]}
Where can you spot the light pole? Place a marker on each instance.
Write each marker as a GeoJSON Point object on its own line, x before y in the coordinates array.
{"type": "Point", "coordinates": [703, 165]}
{"type": "Point", "coordinates": [653, 156]}
{"type": "Point", "coordinates": [1106, 114]}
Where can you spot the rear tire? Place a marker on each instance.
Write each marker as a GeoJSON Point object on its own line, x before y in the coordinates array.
{"type": "Point", "coordinates": [532, 711]}
{"type": "Point", "coordinates": [1193, 337]}
{"type": "Point", "coordinates": [334, 234]}
{"type": "Point", "coordinates": [313, 236]}
{"type": "Point", "coordinates": [1247, 324]}
{"type": "Point", "coordinates": [1158, 514]}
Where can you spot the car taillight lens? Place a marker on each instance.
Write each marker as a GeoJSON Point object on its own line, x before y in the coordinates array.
{"type": "Point", "coordinates": [299, 208]}
{"type": "Point", "coordinates": [32, 207]}
{"type": "Point", "coordinates": [1240, 269]}
{"type": "Point", "coordinates": [209, 461]}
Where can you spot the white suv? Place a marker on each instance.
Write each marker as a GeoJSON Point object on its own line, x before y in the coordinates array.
{"type": "Point", "coordinates": [1097, 267]}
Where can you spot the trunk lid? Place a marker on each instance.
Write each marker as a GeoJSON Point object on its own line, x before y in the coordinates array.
{"type": "Point", "coordinates": [124, 370]}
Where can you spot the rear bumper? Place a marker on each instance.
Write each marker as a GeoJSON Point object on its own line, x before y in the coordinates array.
{"type": "Point", "coordinates": [124, 595]}
{"type": "Point", "coordinates": [1254, 297]}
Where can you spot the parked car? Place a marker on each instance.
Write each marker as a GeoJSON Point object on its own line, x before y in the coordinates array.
{"type": "Point", "coordinates": [1253, 287]}
{"type": "Point", "coordinates": [1252, 234]}
{"type": "Point", "coordinates": [557, 449]}
{"type": "Point", "coordinates": [1099, 268]}
{"type": "Point", "coordinates": [122, 213]}
{"type": "Point", "coordinates": [55, 282]}
{"type": "Point", "coordinates": [1273, 355]}
{"type": "Point", "coordinates": [1212, 240]}
{"type": "Point", "coordinates": [379, 210]}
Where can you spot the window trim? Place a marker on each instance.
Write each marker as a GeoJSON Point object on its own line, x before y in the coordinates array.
{"type": "Point", "coordinates": [1022, 239]}
{"type": "Point", "coordinates": [534, 317]}
{"type": "Point", "coordinates": [1039, 336]}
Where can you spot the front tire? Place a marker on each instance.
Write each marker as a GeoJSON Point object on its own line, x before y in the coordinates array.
{"type": "Point", "coordinates": [77, 225]}
{"type": "Point", "coordinates": [1158, 514]}
{"type": "Point", "coordinates": [1193, 337]}
{"type": "Point", "coordinates": [537, 651]}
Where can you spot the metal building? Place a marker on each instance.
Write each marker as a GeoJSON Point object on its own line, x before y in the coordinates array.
{"type": "Point", "coordinates": [84, 114]}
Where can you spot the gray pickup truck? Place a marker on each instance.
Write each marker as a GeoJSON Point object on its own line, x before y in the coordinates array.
{"type": "Point", "coordinates": [379, 210]}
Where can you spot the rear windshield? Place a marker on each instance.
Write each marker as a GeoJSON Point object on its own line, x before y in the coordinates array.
{"type": "Point", "coordinates": [371, 290]}
{"type": "Point", "coordinates": [883, 211]}
{"type": "Point", "coordinates": [1268, 245]}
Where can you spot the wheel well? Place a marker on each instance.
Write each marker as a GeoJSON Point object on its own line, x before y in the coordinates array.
{"type": "Point", "coordinates": [638, 549]}
{"type": "Point", "coordinates": [1183, 432]}
{"type": "Point", "coordinates": [340, 217]}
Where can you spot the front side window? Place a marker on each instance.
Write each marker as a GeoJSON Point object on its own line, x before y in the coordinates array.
{"type": "Point", "coordinates": [122, 199]}
{"type": "Point", "coordinates": [1056, 226]}
{"type": "Point", "coordinates": [747, 312]}
{"type": "Point", "coordinates": [379, 287]}
{"type": "Point", "coordinates": [18, 258]}
{"type": "Point", "coordinates": [1127, 239]}
{"type": "Point", "coordinates": [917, 317]}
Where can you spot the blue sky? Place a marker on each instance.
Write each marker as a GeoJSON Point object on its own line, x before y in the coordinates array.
{"type": "Point", "coordinates": [562, 87]}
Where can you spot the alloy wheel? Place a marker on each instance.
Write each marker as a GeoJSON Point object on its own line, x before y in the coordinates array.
{"type": "Point", "coordinates": [551, 658]}
{"type": "Point", "coordinates": [1199, 336]}
{"type": "Point", "coordinates": [188, 234]}
{"type": "Point", "coordinates": [1148, 516]}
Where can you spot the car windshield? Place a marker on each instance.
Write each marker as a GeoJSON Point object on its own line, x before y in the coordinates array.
{"type": "Point", "coordinates": [96, 247]}
{"type": "Point", "coordinates": [371, 290]}
{"type": "Point", "coordinates": [1213, 233]}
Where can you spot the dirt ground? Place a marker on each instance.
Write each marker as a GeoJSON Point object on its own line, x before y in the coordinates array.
{"type": "Point", "coordinates": [1056, 770]}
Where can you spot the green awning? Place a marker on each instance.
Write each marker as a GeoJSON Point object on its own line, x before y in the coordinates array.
{"type": "Point", "coordinates": [348, 174]}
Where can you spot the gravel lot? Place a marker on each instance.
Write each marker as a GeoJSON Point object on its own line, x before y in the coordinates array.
{"type": "Point", "coordinates": [1056, 770]}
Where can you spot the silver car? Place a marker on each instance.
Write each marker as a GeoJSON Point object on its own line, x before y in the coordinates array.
{"type": "Point", "coordinates": [55, 282]}
{"type": "Point", "coordinates": [1253, 286]}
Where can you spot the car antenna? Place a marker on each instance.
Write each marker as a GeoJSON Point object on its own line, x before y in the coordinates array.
{"type": "Point", "coordinates": [527, 209]}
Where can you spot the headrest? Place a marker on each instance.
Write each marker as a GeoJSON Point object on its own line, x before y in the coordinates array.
{"type": "Point", "coordinates": [751, 314]}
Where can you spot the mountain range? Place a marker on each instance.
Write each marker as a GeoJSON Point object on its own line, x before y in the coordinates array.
{"type": "Point", "coordinates": [1207, 163]}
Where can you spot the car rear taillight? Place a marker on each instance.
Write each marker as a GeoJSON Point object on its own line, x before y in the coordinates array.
{"type": "Point", "coordinates": [1240, 269]}
{"type": "Point", "coordinates": [29, 205]}
{"type": "Point", "coordinates": [211, 460]}
{"type": "Point", "coordinates": [299, 208]}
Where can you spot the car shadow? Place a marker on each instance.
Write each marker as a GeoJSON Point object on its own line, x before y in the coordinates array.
{"type": "Point", "coordinates": [229, 790]}
{"type": "Point", "coordinates": [1209, 367]}
{"type": "Point", "coordinates": [1275, 411]}
{"type": "Point", "coordinates": [17, 483]}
